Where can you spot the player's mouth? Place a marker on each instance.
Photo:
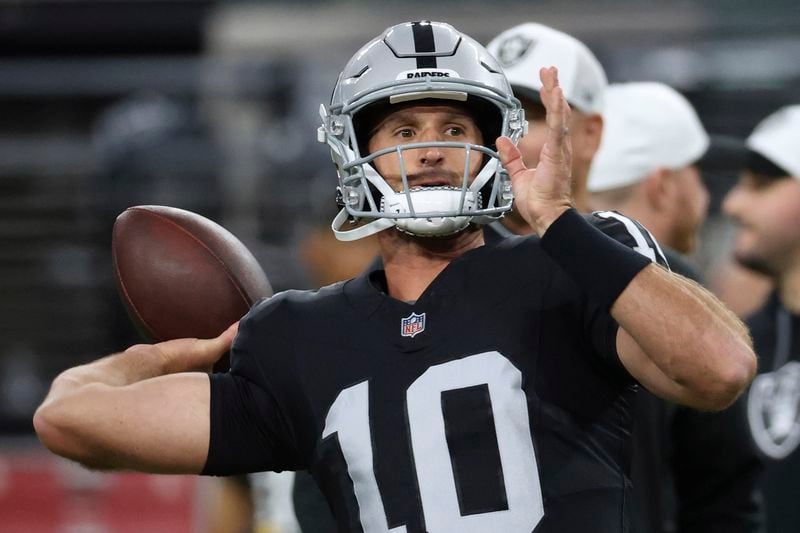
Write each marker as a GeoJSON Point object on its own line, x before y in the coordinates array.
{"type": "Point", "coordinates": [429, 184]}
{"type": "Point", "coordinates": [438, 179]}
{"type": "Point", "coordinates": [742, 225]}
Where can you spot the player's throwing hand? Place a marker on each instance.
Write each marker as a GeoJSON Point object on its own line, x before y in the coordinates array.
{"type": "Point", "coordinates": [186, 355]}
{"type": "Point", "coordinates": [543, 193]}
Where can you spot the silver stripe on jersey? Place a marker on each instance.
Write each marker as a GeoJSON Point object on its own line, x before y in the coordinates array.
{"type": "Point", "coordinates": [640, 236]}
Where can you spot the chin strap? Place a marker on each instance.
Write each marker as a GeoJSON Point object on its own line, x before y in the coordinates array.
{"type": "Point", "coordinates": [371, 228]}
{"type": "Point", "coordinates": [486, 173]}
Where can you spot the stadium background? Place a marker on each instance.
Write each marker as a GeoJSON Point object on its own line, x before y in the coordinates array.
{"type": "Point", "coordinates": [212, 106]}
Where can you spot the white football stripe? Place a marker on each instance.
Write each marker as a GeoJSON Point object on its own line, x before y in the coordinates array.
{"type": "Point", "coordinates": [633, 230]}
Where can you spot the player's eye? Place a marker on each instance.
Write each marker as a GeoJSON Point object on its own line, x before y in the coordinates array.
{"type": "Point", "coordinates": [455, 131]}
{"type": "Point", "coordinates": [405, 133]}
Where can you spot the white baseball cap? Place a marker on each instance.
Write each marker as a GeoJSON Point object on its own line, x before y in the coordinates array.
{"type": "Point", "coordinates": [524, 49]}
{"type": "Point", "coordinates": [647, 125]}
{"type": "Point", "coordinates": [777, 138]}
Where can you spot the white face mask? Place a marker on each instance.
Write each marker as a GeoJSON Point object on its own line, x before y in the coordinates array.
{"type": "Point", "coordinates": [432, 200]}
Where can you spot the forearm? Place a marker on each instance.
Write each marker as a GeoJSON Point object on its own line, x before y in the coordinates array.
{"type": "Point", "coordinates": [715, 306]}
{"type": "Point", "coordinates": [144, 361]}
{"type": "Point", "coordinates": [675, 338]}
{"type": "Point", "coordinates": [135, 364]}
{"type": "Point", "coordinates": [66, 421]}
{"type": "Point", "coordinates": [688, 335]}
{"type": "Point", "coordinates": [122, 411]}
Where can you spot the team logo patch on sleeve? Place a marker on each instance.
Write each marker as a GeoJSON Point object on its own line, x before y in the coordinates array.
{"type": "Point", "coordinates": [412, 325]}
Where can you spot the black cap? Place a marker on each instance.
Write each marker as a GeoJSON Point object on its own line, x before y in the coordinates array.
{"type": "Point", "coordinates": [725, 155]}
{"type": "Point", "coordinates": [721, 165]}
{"type": "Point", "coordinates": [758, 164]}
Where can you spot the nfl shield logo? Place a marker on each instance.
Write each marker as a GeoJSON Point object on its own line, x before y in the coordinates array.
{"type": "Point", "coordinates": [412, 325]}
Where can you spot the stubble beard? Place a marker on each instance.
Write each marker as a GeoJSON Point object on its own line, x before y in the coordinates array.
{"type": "Point", "coordinates": [757, 264]}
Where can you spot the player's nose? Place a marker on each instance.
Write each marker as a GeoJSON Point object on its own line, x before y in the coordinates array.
{"type": "Point", "coordinates": [734, 201]}
{"type": "Point", "coordinates": [431, 156]}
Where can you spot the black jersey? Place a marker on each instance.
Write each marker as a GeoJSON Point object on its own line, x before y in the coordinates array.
{"type": "Point", "coordinates": [495, 402]}
{"type": "Point", "coordinates": [692, 471]}
{"type": "Point", "coordinates": [773, 411]}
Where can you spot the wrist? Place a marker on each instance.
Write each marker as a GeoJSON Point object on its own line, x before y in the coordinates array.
{"type": "Point", "coordinates": [544, 219]}
{"type": "Point", "coordinates": [600, 265]}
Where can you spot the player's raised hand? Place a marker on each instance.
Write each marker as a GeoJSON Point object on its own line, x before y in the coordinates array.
{"type": "Point", "coordinates": [543, 193]}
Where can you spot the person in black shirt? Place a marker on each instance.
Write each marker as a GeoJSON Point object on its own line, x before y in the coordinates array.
{"type": "Point", "coordinates": [460, 388]}
{"type": "Point", "coordinates": [521, 50]}
{"type": "Point", "coordinates": [766, 205]}
{"type": "Point", "coordinates": [691, 471]}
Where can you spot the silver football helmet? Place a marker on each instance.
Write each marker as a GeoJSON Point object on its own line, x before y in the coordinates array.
{"type": "Point", "coordinates": [416, 61]}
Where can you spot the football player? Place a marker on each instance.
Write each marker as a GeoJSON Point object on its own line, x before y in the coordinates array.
{"type": "Point", "coordinates": [766, 205]}
{"type": "Point", "coordinates": [460, 388]}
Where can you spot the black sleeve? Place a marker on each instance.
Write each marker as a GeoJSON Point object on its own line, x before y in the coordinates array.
{"type": "Point", "coordinates": [601, 330]}
{"type": "Point", "coordinates": [716, 469]}
{"type": "Point", "coordinates": [598, 323]}
{"type": "Point", "coordinates": [249, 432]}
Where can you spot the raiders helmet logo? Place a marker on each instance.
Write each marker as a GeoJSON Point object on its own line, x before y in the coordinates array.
{"type": "Point", "coordinates": [513, 49]}
{"type": "Point", "coordinates": [773, 410]}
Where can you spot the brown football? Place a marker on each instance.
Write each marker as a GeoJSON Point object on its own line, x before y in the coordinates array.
{"type": "Point", "coordinates": [182, 275]}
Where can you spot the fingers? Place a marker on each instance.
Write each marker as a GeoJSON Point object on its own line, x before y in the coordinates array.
{"type": "Point", "coordinates": [229, 334]}
{"type": "Point", "coordinates": [182, 355]}
{"type": "Point", "coordinates": [510, 157]}
{"type": "Point", "coordinates": [223, 342]}
{"type": "Point", "coordinates": [558, 111]}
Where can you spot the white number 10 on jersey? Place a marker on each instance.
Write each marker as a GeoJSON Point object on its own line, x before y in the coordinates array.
{"type": "Point", "coordinates": [349, 418]}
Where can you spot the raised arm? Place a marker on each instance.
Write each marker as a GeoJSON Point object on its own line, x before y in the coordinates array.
{"type": "Point", "coordinates": [675, 338]}
{"type": "Point", "coordinates": [144, 409]}
{"type": "Point", "coordinates": [680, 342]}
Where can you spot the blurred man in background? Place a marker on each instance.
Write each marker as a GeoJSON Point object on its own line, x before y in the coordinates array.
{"type": "Point", "coordinates": [647, 164]}
{"type": "Point", "coordinates": [743, 291]}
{"type": "Point", "coordinates": [766, 205]}
{"type": "Point", "coordinates": [691, 471]}
{"type": "Point", "coordinates": [522, 51]}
